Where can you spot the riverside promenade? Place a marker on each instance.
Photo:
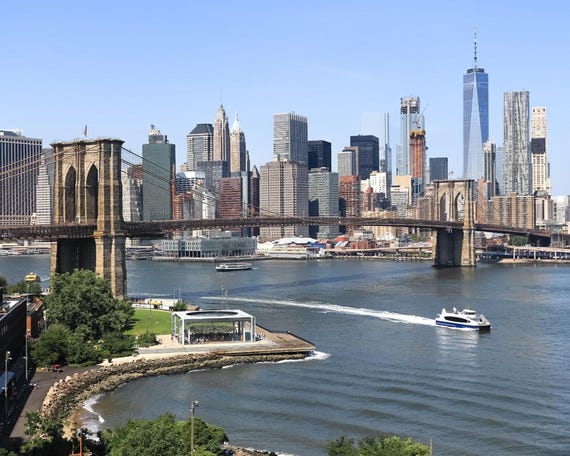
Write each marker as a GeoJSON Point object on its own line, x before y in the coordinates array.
{"type": "Point", "coordinates": [269, 346]}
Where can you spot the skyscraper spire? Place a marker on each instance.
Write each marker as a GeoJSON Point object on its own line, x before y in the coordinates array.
{"type": "Point", "coordinates": [475, 46]}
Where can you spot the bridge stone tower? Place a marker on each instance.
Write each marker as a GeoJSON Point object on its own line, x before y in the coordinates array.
{"type": "Point", "coordinates": [87, 191]}
{"type": "Point", "coordinates": [453, 201]}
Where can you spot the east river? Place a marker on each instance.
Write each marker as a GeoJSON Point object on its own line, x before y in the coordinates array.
{"type": "Point", "coordinates": [382, 365]}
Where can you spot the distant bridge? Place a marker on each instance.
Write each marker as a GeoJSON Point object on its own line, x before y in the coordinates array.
{"type": "Point", "coordinates": [162, 228]}
{"type": "Point", "coordinates": [88, 230]}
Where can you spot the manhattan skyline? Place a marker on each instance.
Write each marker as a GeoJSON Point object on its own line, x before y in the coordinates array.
{"type": "Point", "coordinates": [119, 67]}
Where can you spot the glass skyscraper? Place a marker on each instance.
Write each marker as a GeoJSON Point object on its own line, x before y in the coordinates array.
{"type": "Point", "coordinates": [475, 119]}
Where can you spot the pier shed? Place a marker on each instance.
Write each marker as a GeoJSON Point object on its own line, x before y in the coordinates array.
{"type": "Point", "coordinates": [206, 326]}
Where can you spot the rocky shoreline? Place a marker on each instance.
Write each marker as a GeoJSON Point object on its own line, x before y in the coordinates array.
{"type": "Point", "coordinates": [65, 397]}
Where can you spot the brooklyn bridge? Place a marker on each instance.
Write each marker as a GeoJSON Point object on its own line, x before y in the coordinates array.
{"type": "Point", "coordinates": [88, 230]}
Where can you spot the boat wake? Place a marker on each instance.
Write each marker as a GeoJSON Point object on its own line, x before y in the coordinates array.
{"type": "Point", "coordinates": [380, 314]}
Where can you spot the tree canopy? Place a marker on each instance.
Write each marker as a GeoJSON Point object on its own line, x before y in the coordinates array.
{"type": "Point", "coordinates": [163, 437]}
{"type": "Point", "coordinates": [84, 301]}
{"type": "Point", "coordinates": [377, 446]}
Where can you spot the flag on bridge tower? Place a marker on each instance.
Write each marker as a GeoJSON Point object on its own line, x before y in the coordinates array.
{"type": "Point", "coordinates": [85, 131]}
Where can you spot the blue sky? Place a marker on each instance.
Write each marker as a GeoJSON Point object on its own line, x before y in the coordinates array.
{"type": "Point", "coordinates": [118, 66]}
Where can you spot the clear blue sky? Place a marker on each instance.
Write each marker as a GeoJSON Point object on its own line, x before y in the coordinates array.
{"type": "Point", "coordinates": [118, 66]}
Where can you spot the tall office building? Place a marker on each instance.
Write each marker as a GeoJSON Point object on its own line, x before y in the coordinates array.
{"type": "Point", "coordinates": [539, 152]}
{"type": "Point", "coordinates": [475, 118]}
{"type": "Point", "coordinates": [438, 168]}
{"type": "Point", "coordinates": [323, 201]}
{"type": "Point", "coordinates": [239, 160]}
{"type": "Point", "coordinates": [284, 192]}
{"type": "Point", "coordinates": [347, 161]}
{"type": "Point", "coordinates": [44, 188]}
{"type": "Point", "coordinates": [368, 154]}
{"type": "Point", "coordinates": [221, 146]}
{"type": "Point", "coordinates": [159, 169]}
{"type": "Point", "coordinates": [490, 168]}
{"type": "Point", "coordinates": [385, 150]}
{"type": "Point", "coordinates": [199, 145]}
{"type": "Point", "coordinates": [290, 137]}
{"type": "Point", "coordinates": [410, 119]}
{"type": "Point", "coordinates": [319, 154]}
{"type": "Point", "coordinates": [19, 167]}
{"type": "Point", "coordinates": [516, 165]}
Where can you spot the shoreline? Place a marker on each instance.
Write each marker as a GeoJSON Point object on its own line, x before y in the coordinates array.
{"type": "Point", "coordinates": [65, 398]}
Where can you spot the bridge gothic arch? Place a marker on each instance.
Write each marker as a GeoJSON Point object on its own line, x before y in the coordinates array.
{"type": "Point", "coordinates": [87, 191]}
{"type": "Point", "coordinates": [452, 246]}
{"type": "Point", "coordinates": [70, 195]}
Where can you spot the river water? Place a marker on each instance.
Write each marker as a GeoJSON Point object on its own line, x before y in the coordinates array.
{"type": "Point", "coordinates": [381, 367]}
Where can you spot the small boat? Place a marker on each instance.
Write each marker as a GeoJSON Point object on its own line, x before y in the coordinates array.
{"type": "Point", "coordinates": [465, 319]}
{"type": "Point", "coordinates": [225, 267]}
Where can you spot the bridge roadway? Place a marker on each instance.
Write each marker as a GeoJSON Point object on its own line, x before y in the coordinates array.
{"type": "Point", "coordinates": [158, 229]}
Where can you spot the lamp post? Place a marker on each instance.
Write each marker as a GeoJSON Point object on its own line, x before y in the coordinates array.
{"type": "Point", "coordinates": [192, 412]}
{"type": "Point", "coordinates": [6, 359]}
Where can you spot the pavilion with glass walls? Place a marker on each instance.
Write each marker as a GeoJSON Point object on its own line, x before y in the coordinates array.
{"type": "Point", "coordinates": [211, 326]}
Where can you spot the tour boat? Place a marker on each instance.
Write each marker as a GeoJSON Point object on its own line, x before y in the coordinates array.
{"type": "Point", "coordinates": [465, 319]}
{"type": "Point", "coordinates": [224, 267]}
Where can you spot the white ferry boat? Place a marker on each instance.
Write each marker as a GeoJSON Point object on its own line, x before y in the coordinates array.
{"type": "Point", "coordinates": [225, 267]}
{"type": "Point", "coordinates": [465, 319]}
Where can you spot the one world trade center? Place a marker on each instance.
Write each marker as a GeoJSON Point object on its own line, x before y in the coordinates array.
{"type": "Point", "coordinates": [475, 118]}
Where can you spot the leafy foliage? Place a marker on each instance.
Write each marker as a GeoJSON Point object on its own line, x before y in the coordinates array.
{"type": "Point", "coordinates": [163, 437]}
{"type": "Point", "coordinates": [83, 299]}
{"type": "Point", "coordinates": [147, 339]}
{"type": "Point", "coordinates": [51, 347]}
{"type": "Point", "coordinates": [518, 240]}
{"type": "Point", "coordinates": [377, 446]}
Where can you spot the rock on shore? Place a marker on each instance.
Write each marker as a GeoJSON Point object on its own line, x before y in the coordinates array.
{"type": "Point", "coordinates": [66, 395]}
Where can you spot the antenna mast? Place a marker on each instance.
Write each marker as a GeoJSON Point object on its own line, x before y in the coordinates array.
{"type": "Point", "coordinates": [475, 45]}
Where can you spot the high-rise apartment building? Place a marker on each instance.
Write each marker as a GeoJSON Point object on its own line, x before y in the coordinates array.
{"type": "Point", "coordinates": [290, 140]}
{"type": "Point", "coordinates": [539, 152]}
{"type": "Point", "coordinates": [475, 118]}
{"type": "Point", "coordinates": [516, 166]}
{"type": "Point", "coordinates": [323, 201]}
{"type": "Point", "coordinates": [368, 154]}
{"type": "Point", "coordinates": [284, 192]}
{"type": "Point", "coordinates": [349, 196]}
{"type": "Point", "coordinates": [319, 154]}
{"type": "Point", "coordinates": [221, 145]}
{"type": "Point", "coordinates": [385, 162]}
{"type": "Point", "coordinates": [239, 160]}
{"type": "Point", "coordinates": [231, 204]}
{"type": "Point", "coordinates": [410, 119]}
{"type": "Point", "coordinates": [19, 167]}
{"type": "Point", "coordinates": [347, 161]}
{"type": "Point", "coordinates": [159, 169]}
{"type": "Point", "coordinates": [418, 154]}
{"type": "Point", "coordinates": [199, 146]}
{"type": "Point", "coordinates": [44, 188]}
{"type": "Point", "coordinates": [490, 168]}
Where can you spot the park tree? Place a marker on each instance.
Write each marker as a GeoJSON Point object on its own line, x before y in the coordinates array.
{"type": "Point", "coordinates": [52, 345]}
{"type": "Point", "coordinates": [83, 300]}
{"type": "Point", "coordinates": [163, 436]}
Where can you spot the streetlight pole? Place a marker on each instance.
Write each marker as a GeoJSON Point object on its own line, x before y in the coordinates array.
{"type": "Point", "coordinates": [31, 277]}
{"type": "Point", "coordinates": [6, 359]}
{"type": "Point", "coordinates": [193, 406]}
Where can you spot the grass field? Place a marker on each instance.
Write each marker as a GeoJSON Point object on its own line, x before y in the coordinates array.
{"type": "Point", "coordinates": [152, 320]}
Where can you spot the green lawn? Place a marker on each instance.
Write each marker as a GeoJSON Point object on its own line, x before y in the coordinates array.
{"type": "Point", "coordinates": [152, 320]}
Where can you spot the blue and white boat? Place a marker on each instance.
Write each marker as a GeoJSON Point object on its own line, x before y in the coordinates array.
{"type": "Point", "coordinates": [465, 319]}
